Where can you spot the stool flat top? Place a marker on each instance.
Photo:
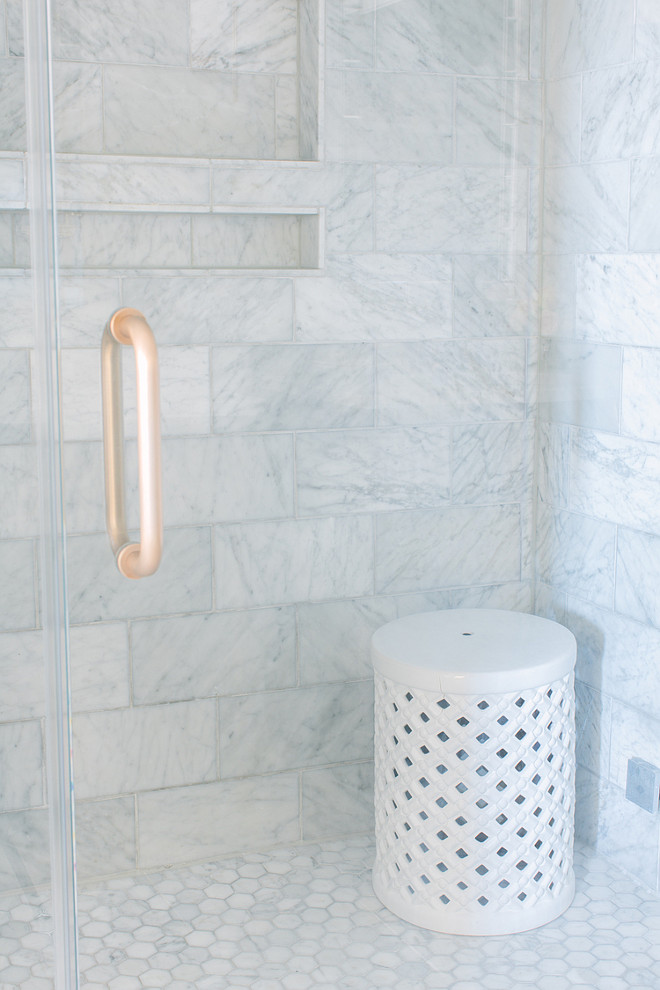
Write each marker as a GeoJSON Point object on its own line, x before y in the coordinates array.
{"type": "Point", "coordinates": [470, 650]}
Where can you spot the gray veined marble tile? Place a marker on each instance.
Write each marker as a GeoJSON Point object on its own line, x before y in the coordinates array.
{"type": "Point", "coordinates": [633, 735]}
{"type": "Point", "coordinates": [575, 553]}
{"type": "Point", "coordinates": [389, 117]}
{"type": "Point", "coordinates": [498, 121]}
{"type": "Point", "coordinates": [553, 464]}
{"type": "Point", "coordinates": [245, 36]}
{"type": "Point", "coordinates": [85, 306]}
{"type": "Point", "coordinates": [252, 240]}
{"type": "Point", "coordinates": [446, 382]}
{"type": "Point", "coordinates": [350, 33]}
{"type": "Point", "coordinates": [417, 551]}
{"type": "Point", "coordinates": [81, 394]}
{"type": "Point", "coordinates": [588, 35]}
{"type": "Point", "coordinates": [292, 387]}
{"type": "Point", "coordinates": [640, 403]}
{"type": "Point", "coordinates": [124, 240]}
{"type": "Point", "coordinates": [21, 754]}
{"type": "Point", "coordinates": [465, 209]}
{"type": "Point", "coordinates": [12, 183]}
{"type": "Point", "coordinates": [183, 824]}
{"type": "Point", "coordinates": [442, 36]}
{"type": "Point", "coordinates": [617, 656]}
{"type": "Point", "coordinates": [22, 674]}
{"type": "Point", "coordinates": [184, 391]}
{"type": "Point", "coordinates": [139, 749]}
{"type": "Point", "coordinates": [84, 490]}
{"type": "Point", "coordinates": [644, 201]}
{"type": "Point", "coordinates": [637, 575]}
{"type": "Point", "coordinates": [156, 32]}
{"type": "Point", "coordinates": [580, 383]}
{"type": "Point", "coordinates": [207, 655]}
{"type": "Point", "coordinates": [337, 800]}
{"type": "Point", "coordinates": [200, 310]}
{"type": "Point", "coordinates": [24, 853]}
{"type": "Point", "coordinates": [647, 29]}
{"type": "Point", "coordinates": [16, 316]}
{"type": "Point", "coordinates": [105, 837]}
{"type": "Point", "coordinates": [558, 299]}
{"type": "Point", "coordinates": [17, 584]}
{"type": "Point", "coordinates": [97, 591]}
{"type": "Point", "coordinates": [562, 120]}
{"type": "Point", "coordinates": [593, 725]}
{"type": "Point", "coordinates": [627, 835]}
{"type": "Point", "coordinates": [18, 484]}
{"type": "Point", "coordinates": [287, 136]}
{"type": "Point", "coordinates": [376, 297]}
{"type": "Point", "coordinates": [15, 408]}
{"type": "Point", "coordinates": [151, 110]}
{"type": "Point", "coordinates": [12, 109]}
{"type": "Point", "coordinates": [311, 69]}
{"type": "Point", "coordinates": [301, 727]}
{"type": "Point", "coordinates": [334, 637]}
{"type": "Point", "coordinates": [293, 560]}
{"type": "Point", "coordinates": [492, 462]}
{"type": "Point", "coordinates": [367, 470]}
{"type": "Point", "coordinates": [99, 666]}
{"type": "Point", "coordinates": [78, 90]}
{"type": "Point", "coordinates": [7, 245]}
{"type": "Point", "coordinates": [617, 297]}
{"type": "Point", "coordinates": [585, 208]}
{"type": "Point", "coordinates": [132, 183]}
{"type": "Point", "coordinates": [495, 295]}
{"type": "Point", "coordinates": [619, 112]}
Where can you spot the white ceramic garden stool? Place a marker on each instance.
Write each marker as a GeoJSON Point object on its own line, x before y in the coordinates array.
{"type": "Point", "coordinates": [475, 770]}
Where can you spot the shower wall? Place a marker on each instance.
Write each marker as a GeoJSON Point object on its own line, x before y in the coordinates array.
{"type": "Point", "coordinates": [348, 345]}
{"type": "Point", "coordinates": [599, 522]}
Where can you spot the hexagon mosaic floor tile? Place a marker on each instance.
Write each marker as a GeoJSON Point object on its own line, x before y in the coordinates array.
{"type": "Point", "coordinates": [306, 917]}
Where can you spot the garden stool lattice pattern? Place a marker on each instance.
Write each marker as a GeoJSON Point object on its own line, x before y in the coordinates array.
{"type": "Point", "coordinates": [475, 767]}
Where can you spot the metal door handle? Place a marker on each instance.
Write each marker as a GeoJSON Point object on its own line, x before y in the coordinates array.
{"type": "Point", "coordinates": [134, 560]}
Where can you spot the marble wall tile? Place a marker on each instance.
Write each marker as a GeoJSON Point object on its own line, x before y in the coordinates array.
{"type": "Point", "coordinates": [550, 602]}
{"type": "Point", "coordinates": [17, 584]}
{"type": "Point", "coordinates": [562, 120]}
{"type": "Point", "coordinates": [7, 242]}
{"type": "Point", "coordinates": [133, 183]}
{"type": "Point", "coordinates": [627, 834]}
{"type": "Point", "coordinates": [450, 208]}
{"type": "Point", "coordinates": [12, 183]}
{"type": "Point", "coordinates": [637, 574]}
{"type": "Point", "coordinates": [246, 36]}
{"type": "Point", "coordinates": [367, 470]}
{"type": "Point", "coordinates": [345, 190]}
{"type": "Point", "coordinates": [311, 73]}
{"type": "Point", "coordinates": [214, 310]}
{"type": "Point", "coordinates": [376, 297]}
{"type": "Point", "coordinates": [295, 560]}
{"type": "Point", "coordinates": [498, 121]}
{"type": "Point", "coordinates": [151, 110]}
{"type": "Point", "coordinates": [198, 656]}
{"type": "Point", "coordinates": [124, 240]}
{"type": "Point", "coordinates": [452, 546]}
{"type": "Point", "coordinates": [593, 726]}
{"type": "Point", "coordinates": [617, 656]}
{"type": "Point", "coordinates": [609, 129]}
{"type": "Point", "coordinates": [12, 108]}
{"type": "Point", "coordinates": [287, 136]}
{"type": "Point", "coordinates": [243, 240]}
{"type": "Point", "coordinates": [580, 383]}
{"type": "Point", "coordinates": [350, 33]}
{"type": "Point", "coordinates": [495, 295]}
{"type": "Point", "coordinates": [588, 35]}
{"type": "Point", "coordinates": [585, 208]}
{"type": "Point", "coordinates": [22, 675]}
{"type": "Point", "coordinates": [84, 489]}
{"type": "Point", "coordinates": [304, 727]}
{"type": "Point", "coordinates": [576, 554]}
{"type": "Point", "coordinates": [210, 820]}
{"type": "Point", "coordinates": [15, 412]}
{"type": "Point", "coordinates": [3, 29]}
{"type": "Point", "coordinates": [18, 482]}
{"type": "Point", "coordinates": [116, 752]}
{"type": "Point", "coordinates": [22, 766]}
{"type": "Point", "coordinates": [553, 464]}
{"type": "Point", "coordinates": [640, 404]}
{"type": "Point", "coordinates": [236, 478]}
{"type": "Point", "coordinates": [633, 735]}
{"type": "Point", "coordinates": [558, 298]}
{"type": "Point", "coordinates": [86, 305]}
{"type": "Point", "coordinates": [432, 36]}
{"type": "Point", "coordinates": [644, 200]}
{"type": "Point", "coordinates": [99, 665]}
{"type": "Point", "coordinates": [616, 479]}
{"type": "Point", "coordinates": [337, 801]}
{"type": "Point", "coordinates": [105, 837]}
{"type": "Point", "coordinates": [78, 109]}
{"type": "Point", "coordinates": [184, 391]}
{"type": "Point", "coordinates": [450, 381]}
{"type": "Point", "coordinates": [389, 117]}
{"type": "Point", "coordinates": [97, 591]}
{"type": "Point", "coordinates": [25, 849]}
{"type": "Point", "coordinates": [292, 387]}
{"type": "Point", "coordinates": [334, 637]}
{"type": "Point", "coordinates": [647, 29]}
{"type": "Point", "coordinates": [157, 32]}
{"type": "Point", "coordinates": [617, 298]}
{"type": "Point", "coordinates": [492, 463]}
{"type": "Point", "coordinates": [81, 395]}
{"type": "Point", "coordinates": [14, 24]}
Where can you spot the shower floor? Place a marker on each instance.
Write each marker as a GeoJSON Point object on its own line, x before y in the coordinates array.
{"type": "Point", "coordinates": [306, 917]}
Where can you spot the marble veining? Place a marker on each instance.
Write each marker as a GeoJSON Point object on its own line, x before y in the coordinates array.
{"type": "Point", "coordinates": [15, 405]}
{"type": "Point", "coordinates": [585, 208]}
{"type": "Point", "coordinates": [246, 36]}
{"type": "Point", "coordinates": [616, 298]}
{"type": "Point", "coordinates": [17, 584]}
{"type": "Point", "coordinates": [616, 127]}
{"type": "Point", "coordinates": [644, 234]}
{"type": "Point", "coordinates": [21, 752]}
{"type": "Point", "coordinates": [94, 32]}
{"type": "Point", "coordinates": [637, 573]}
{"type": "Point", "coordinates": [588, 36]}
{"type": "Point", "coordinates": [495, 295]}
{"type": "Point", "coordinates": [575, 553]}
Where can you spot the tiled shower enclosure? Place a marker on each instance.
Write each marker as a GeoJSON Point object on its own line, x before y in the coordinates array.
{"type": "Point", "coordinates": [401, 264]}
